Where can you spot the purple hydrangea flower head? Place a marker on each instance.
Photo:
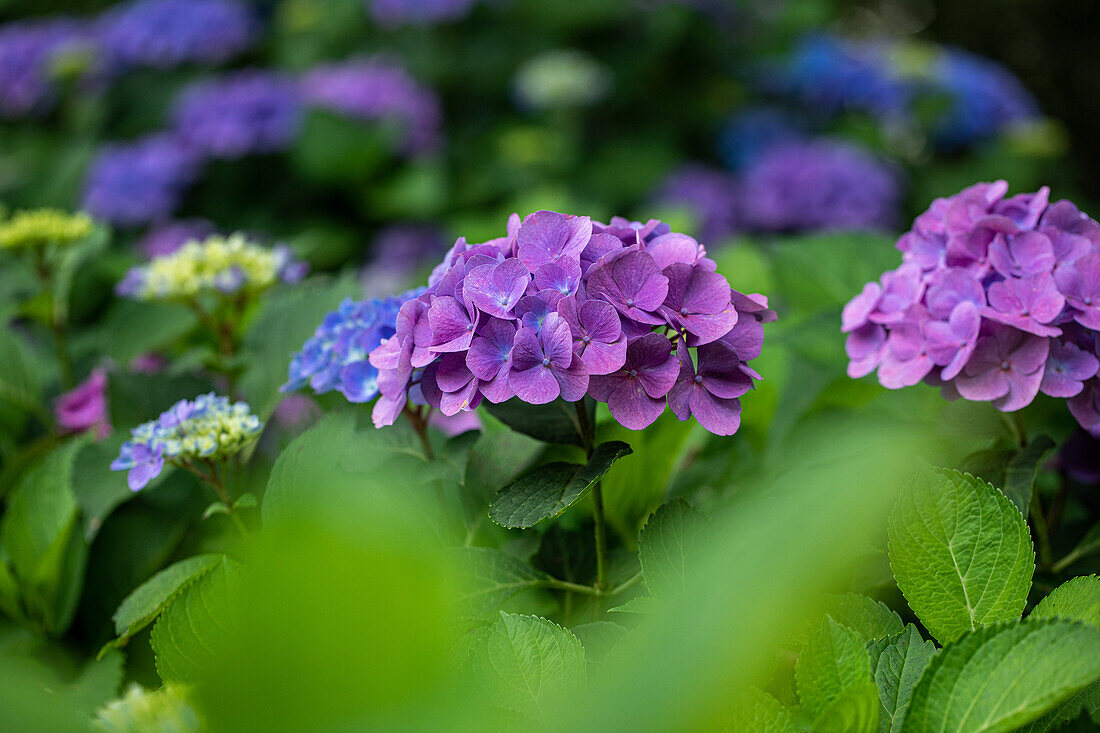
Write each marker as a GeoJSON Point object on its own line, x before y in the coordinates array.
{"type": "Point", "coordinates": [378, 90]}
{"type": "Point", "coordinates": [336, 357]}
{"type": "Point", "coordinates": [996, 300]}
{"type": "Point", "coordinates": [750, 133]}
{"type": "Point", "coordinates": [134, 183]}
{"type": "Point", "coordinates": [710, 195]}
{"type": "Point", "coordinates": [163, 34]}
{"type": "Point", "coordinates": [239, 114]}
{"type": "Point", "coordinates": [28, 52]}
{"type": "Point", "coordinates": [819, 185]}
{"type": "Point", "coordinates": [208, 428]}
{"type": "Point", "coordinates": [562, 307]}
{"type": "Point", "coordinates": [392, 13]}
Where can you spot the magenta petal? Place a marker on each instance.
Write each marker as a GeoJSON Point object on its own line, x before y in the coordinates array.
{"type": "Point", "coordinates": [451, 325]}
{"type": "Point", "coordinates": [467, 398]}
{"type": "Point", "coordinates": [546, 235]}
{"type": "Point", "coordinates": [718, 415]}
{"type": "Point", "coordinates": [859, 308]}
{"type": "Point", "coordinates": [632, 407]}
{"type": "Point", "coordinates": [453, 374]}
{"type": "Point", "coordinates": [604, 358]}
{"type": "Point", "coordinates": [557, 341]}
{"type": "Point", "coordinates": [982, 386]}
{"type": "Point", "coordinates": [1022, 390]}
{"type": "Point", "coordinates": [499, 389]}
{"type": "Point", "coordinates": [599, 321]}
{"type": "Point", "coordinates": [671, 248]}
{"type": "Point", "coordinates": [572, 381]}
{"type": "Point", "coordinates": [527, 351]}
{"type": "Point", "coordinates": [536, 385]}
{"type": "Point", "coordinates": [386, 410]}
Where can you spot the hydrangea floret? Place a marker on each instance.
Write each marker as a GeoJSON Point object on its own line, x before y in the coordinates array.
{"type": "Point", "coordinates": [205, 430]}
{"type": "Point", "coordinates": [39, 227]}
{"type": "Point", "coordinates": [628, 313]}
{"type": "Point", "coordinates": [221, 265]}
{"type": "Point", "coordinates": [997, 299]}
{"type": "Point", "coordinates": [336, 357]}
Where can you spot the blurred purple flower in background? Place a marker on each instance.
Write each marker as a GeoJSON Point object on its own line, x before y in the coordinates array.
{"type": "Point", "coordinates": [378, 90]}
{"type": "Point", "coordinates": [711, 195]}
{"type": "Point", "coordinates": [751, 132]}
{"type": "Point", "coordinates": [28, 53]}
{"type": "Point", "coordinates": [398, 253]}
{"type": "Point", "coordinates": [239, 114]}
{"type": "Point", "coordinates": [138, 182]}
{"type": "Point", "coordinates": [418, 12]}
{"type": "Point", "coordinates": [819, 185]}
{"type": "Point", "coordinates": [85, 406]}
{"type": "Point", "coordinates": [164, 239]}
{"type": "Point", "coordinates": [166, 33]}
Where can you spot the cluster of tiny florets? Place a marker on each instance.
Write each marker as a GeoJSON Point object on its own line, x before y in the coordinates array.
{"type": "Point", "coordinates": [627, 313]}
{"type": "Point", "coordinates": [336, 357]}
{"type": "Point", "coordinates": [208, 427]}
{"type": "Point", "coordinates": [222, 265]}
{"type": "Point", "coordinates": [997, 299]}
{"type": "Point", "coordinates": [39, 227]}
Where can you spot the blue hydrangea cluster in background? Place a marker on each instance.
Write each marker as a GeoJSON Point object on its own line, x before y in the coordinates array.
{"type": "Point", "coordinates": [29, 53]}
{"type": "Point", "coordinates": [889, 79]}
{"type": "Point", "coordinates": [750, 132]}
{"type": "Point", "coordinates": [137, 182]}
{"type": "Point", "coordinates": [164, 34]}
{"type": "Point", "coordinates": [208, 428]}
{"type": "Point", "coordinates": [378, 90]}
{"type": "Point", "coordinates": [418, 12]}
{"type": "Point", "coordinates": [336, 357]}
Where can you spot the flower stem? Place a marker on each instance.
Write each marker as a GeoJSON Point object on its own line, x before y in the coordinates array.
{"type": "Point", "coordinates": [418, 417]}
{"type": "Point", "coordinates": [219, 489]}
{"type": "Point", "coordinates": [588, 441]}
{"type": "Point", "coordinates": [1046, 554]}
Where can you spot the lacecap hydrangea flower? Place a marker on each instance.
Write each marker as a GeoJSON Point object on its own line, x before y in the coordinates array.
{"type": "Point", "coordinates": [819, 185]}
{"type": "Point", "coordinates": [239, 114]}
{"type": "Point", "coordinates": [134, 183]}
{"type": "Point", "coordinates": [40, 227]}
{"type": "Point", "coordinates": [378, 90]}
{"type": "Point", "coordinates": [336, 357]}
{"type": "Point", "coordinates": [164, 34]}
{"type": "Point", "coordinates": [210, 427]}
{"type": "Point", "coordinates": [166, 710]}
{"type": "Point", "coordinates": [218, 265]}
{"type": "Point", "coordinates": [628, 313]}
{"type": "Point", "coordinates": [997, 299]}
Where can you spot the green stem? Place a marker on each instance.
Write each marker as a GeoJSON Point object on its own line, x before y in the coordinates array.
{"type": "Point", "coordinates": [55, 322]}
{"type": "Point", "coordinates": [588, 440]}
{"type": "Point", "coordinates": [216, 483]}
{"type": "Point", "coordinates": [567, 586]}
{"type": "Point", "coordinates": [1046, 554]}
{"type": "Point", "coordinates": [1013, 429]}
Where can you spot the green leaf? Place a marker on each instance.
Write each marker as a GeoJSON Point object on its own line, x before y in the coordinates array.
{"type": "Point", "coordinates": [1088, 545]}
{"type": "Point", "coordinates": [98, 489]}
{"type": "Point", "coordinates": [131, 328]}
{"type": "Point", "coordinates": [71, 259]}
{"type": "Point", "coordinates": [869, 618]}
{"type": "Point", "coordinates": [667, 542]}
{"type": "Point", "coordinates": [529, 665]}
{"type": "Point", "coordinates": [555, 422]}
{"type": "Point", "coordinates": [961, 553]}
{"type": "Point", "coordinates": [855, 710]}
{"type": "Point", "coordinates": [19, 380]}
{"type": "Point", "coordinates": [549, 490]}
{"type": "Point", "coordinates": [148, 600]}
{"type": "Point", "coordinates": [41, 537]}
{"type": "Point", "coordinates": [1000, 677]}
{"type": "Point", "coordinates": [1077, 599]}
{"type": "Point", "coordinates": [896, 664]}
{"type": "Point", "coordinates": [599, 639]}
{"type": "Point", "coordinates": [495, 459]}
{"type": "Point", "coordinates": [755, 711]}
{"type": "Point", "coordinates": [491, 578]}
{"type": "Point", "coordinates": [216, 508]}
{"type": "Point", "coordinates": [825, 270]}
{"type": "Point", "coordinates": [192, 628]}
{"type": "Point", "coordinates": [833, 674]}
{"type": "Point", "coordinates": [289, 317]}
{"type": "Point", "coordinates": [1022, 470]}
{"type": "Point", "coordinates": [97, 683]}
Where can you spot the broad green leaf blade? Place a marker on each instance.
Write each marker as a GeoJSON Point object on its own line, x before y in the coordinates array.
{"type": "Point", "coordinates": [755, 711]}
{"type": "Point", "coordinates": [192, 628]}
{"type": "Point", "coordinates": [896, 664]}
{"type": "Point", "coordinates": [71, 259]}
{"type": "Point", "coordinates": [1000, 677]}
{"type": "Point", "coordinates": [529, 665]}
{"type": "Point", "coordinates": [549, 490]}
{"type": "Point", "coordinates": [667, 542]}
{"type": "Point", "coordinates": [855, 710]}
{"type": "Point", "coordinates": [98, 489]}
{"type": "Point", "coordinates": [832, 666]}
{"type": "Point", "coordinates": [289, 317]}
{"type": "Point", "coordinates": [869, 618]}
{"type": "Point", "coordinates": [20, 383]}
{"type": "Point", "coordinates": [131, 328]}
{"type": "Point", "coordinates": [97, 683]}
{"type": "Point", "coordinates": [1077, 599]}
{"type": "Point", "coordinates": [599, 639]}
{"type": "Point", "coordinates": [961, 553]}
{"type": "Point", "coordinates": [491, 578]}
{"type": "Point", "coordinates": [496, 459]}
{"type": "Point", "coordinates": [1022, 470]}
{"type": "Point", "coordinates": [141, 607]}
{"type": "Point", "coordinates": [555, 422]}
{"type": "Point", "coordinates": [41, 536]}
